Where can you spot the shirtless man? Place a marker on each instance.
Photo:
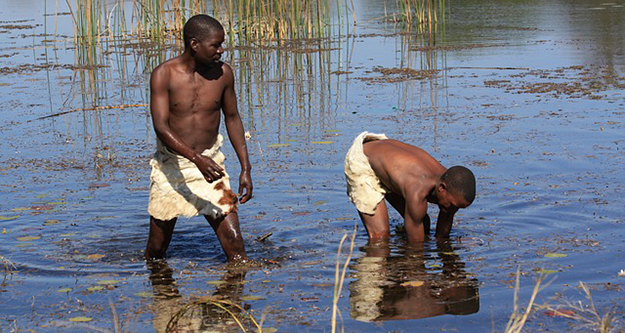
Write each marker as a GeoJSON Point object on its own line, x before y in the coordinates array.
{"type": "Point", "coordinates": [188, 94]}
{"type": "Point", "coordinates": [408, 177]}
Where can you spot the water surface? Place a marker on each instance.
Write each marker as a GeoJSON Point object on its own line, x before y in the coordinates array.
{"type": "Point", "coordinates": [528, 94]}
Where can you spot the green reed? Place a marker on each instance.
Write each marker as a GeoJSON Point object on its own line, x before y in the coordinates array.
{"type": "Point", "coordinates": [163, 20]}
{"type": "Point", "coordinates": [271, 20]}
{"type": "Point", "coordinates": [424, 14]}
{"type": "Point", "coordinates": [157, 20]}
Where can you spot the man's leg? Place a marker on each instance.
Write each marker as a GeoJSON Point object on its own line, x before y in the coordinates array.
{"type": "Point", "coordinates": [159, 238]}
{"type": "Point", "coordinates": [377, 224]}
{"type": "Point", "coordinates": [229, 235]}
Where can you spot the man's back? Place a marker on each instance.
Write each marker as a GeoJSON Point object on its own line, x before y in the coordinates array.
{"type": "Point", "coordinates": [403, 168]}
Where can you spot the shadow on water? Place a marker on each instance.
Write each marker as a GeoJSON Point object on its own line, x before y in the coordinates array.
{"type": "Point", "coordinates": [418, 282]}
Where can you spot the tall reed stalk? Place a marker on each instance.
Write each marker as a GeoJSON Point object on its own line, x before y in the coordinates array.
{"type": "Point", "coordinates": [339, 277]}
{"type": "Point", "coordinates": [262, 20]}
{"type": "Point", "coordinates": [424, 14]}
{"type": "Point", "coordinates": [158, 20]}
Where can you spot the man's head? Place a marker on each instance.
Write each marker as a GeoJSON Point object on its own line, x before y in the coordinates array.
{"type": "Point", "coordinates": [457, 187]}
{"type": "Point", "coordinates": [200, 27]}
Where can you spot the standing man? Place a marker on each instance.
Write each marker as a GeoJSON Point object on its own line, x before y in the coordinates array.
{"type": "Point", "coordinates": [377, 168]}
{"type": "Point", "coordinates": [188, 95]}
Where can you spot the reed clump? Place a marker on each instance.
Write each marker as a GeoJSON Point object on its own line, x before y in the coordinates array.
{"type": "Point", "coordinates": [157, 20]}
{"type": "Point", "coordinates": [8, 267]}
{"type": "Point", "coordinates": [586, 314]}
{"type": "Point", "coordinates": [163, 20]}
{"type": "Point", "coordinates": [261, 20]}
{"type": "Point", "coordinates": [425, 15]}
{"type": "Point", "coordinates": [519, 317]}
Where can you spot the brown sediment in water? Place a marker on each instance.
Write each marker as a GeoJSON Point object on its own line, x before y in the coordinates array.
{"type": "Point", "coordinates": [571, 82]}
{"type": "Point", "coordinates": [452, 47]}
{"type": "Point", "coordinates": [26, 68]}
{"type": "Point", "coordinates": [390, 75]}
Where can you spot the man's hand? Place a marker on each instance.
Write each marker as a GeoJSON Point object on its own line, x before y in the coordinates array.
{"type": "Point", "coordinates": [245, 182]}
{"type": "Point", "coordinates": [211, 170]}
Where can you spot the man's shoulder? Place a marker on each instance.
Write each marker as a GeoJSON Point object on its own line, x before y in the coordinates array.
{"type": "Point", "coordinates": [169, 65]}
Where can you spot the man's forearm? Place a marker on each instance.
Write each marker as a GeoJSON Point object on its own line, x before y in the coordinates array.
{"type": "Point", "coordinates": [444, 223]}
{"type": "Point", "coordinates": [173, 142]}
{"type": "Point", "coordinates": [237, 138]}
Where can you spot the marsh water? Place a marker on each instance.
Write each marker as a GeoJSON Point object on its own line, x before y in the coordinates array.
{"type": "Point", "coordinates": [528, 94]}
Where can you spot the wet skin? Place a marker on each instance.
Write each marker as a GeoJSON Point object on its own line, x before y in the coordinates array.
{"type": "Point", "coordinates": [188, 95]}
{"type": "Point", "coordinates": [413, 179]}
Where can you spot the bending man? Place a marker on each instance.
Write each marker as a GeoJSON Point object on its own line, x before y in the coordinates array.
{"type": "Point", "coordinates": [377, 168]}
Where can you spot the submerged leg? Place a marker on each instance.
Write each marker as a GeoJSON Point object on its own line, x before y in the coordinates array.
{"type": "Point", "coordinates": [229, 234]}
{"type": "Point", "coordinates": [159, 238]}
{"type": "Point", "coordinates": [377, 223]}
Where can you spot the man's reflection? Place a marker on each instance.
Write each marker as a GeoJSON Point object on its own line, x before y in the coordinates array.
{"type": "Point", "coordinates": [419, 283]}
{"type": "Point", "coordinates": [174, 313]}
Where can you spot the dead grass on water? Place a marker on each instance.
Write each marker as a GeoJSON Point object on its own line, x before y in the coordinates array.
{"type": "Point", "coordinates": [585, 316]}
{"type": "Point", "coordinates": [8, 267]}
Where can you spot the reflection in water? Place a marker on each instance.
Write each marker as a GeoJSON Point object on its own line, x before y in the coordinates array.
{"type": "Point", "coordinates": [417, 284]}
{"type": "Point", "coordinates": [173, 313]}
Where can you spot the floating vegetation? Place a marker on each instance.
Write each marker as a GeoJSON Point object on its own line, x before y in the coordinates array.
{"type": "Point", "coordinates": [8, 267]}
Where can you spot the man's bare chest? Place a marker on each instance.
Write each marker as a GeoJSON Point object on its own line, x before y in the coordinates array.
{"type": "Point", "coordinates": [193, 96]}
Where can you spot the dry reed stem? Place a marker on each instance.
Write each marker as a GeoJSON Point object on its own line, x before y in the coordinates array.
{"type": "Point", "coordinates": [588, 315]}
{"type": "Point", "coordinates": [517, 318]}
{"type": "Point", "coordinates": [339, 277]}
{"type": "Point", "coordinates": [8, 266]}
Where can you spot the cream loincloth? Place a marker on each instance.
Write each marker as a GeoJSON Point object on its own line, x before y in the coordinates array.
{"type": "Point", "coordinates": [363, 187]}
{"type": "Point", "coordinates": [178, 188]}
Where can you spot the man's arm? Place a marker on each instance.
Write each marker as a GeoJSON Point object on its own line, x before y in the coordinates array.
{"type": "Point", "coordinates": [236, 133]}
{"type": "Point", "coordinates": [444, 222]}
{"type": "Point", "coordinates": [159, 107]}
{"type": "Point", "coordinates": [416, 212]}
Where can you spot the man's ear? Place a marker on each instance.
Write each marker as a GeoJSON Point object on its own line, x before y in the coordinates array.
{"type": "Point", "coordinates": [194, 44]}
{"type": "Point", "coordinates": [442, 186]}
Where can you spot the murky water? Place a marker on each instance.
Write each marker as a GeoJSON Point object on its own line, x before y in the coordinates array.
{"type": "Point", "coordinates": [528, 94]}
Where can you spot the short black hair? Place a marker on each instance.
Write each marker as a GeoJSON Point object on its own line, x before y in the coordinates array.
{"type": "Point", "coordinates": [460, 181]}
{"type": "Point", "coordinates": [198, 27]}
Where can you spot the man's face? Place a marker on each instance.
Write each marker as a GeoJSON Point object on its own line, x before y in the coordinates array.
{"type": "Point", "coordinates": [451, 201]}
{"type": "Point", "coordinates": [208, 51]}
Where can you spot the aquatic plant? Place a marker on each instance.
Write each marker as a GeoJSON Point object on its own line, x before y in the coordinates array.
{"type": "Point", "coordinates": [422, 14]}
{"type": "Point", "coordinates": [518, 317]}
{"type": "Point", "coordinates": [588, 315]}
{"type": "Point", "coordinates": [157, 20]}
{"type": "Point", "coordinates": [163, 20]}
{"type": "Point", "coordinates": [8, 267]}
{"type": "Point", "coordinates": [339, 275]}
{"type": "Point", "coordinates": [262, 20]}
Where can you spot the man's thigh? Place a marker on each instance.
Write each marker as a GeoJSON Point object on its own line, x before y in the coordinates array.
{"type": "Point", "coordinates": [397, 201]}
{"type": "Point", "coordinates": [377, 223]}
